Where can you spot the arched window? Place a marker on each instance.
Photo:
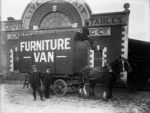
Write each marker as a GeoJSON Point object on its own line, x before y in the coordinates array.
{"type": "Point", "coordinates": [55, 20]}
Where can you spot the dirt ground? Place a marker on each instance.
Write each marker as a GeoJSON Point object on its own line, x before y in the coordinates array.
{"type": "Point", "coordinates": [15, 99]}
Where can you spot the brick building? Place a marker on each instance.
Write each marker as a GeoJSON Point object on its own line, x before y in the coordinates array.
{"type": "Point", "coordinates": [45, 36]}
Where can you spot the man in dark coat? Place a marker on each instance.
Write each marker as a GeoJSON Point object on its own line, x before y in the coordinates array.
{"type": "Point", "coordinates": [35, 80]}
{"type": "Point", "coordinates": [86, 35]}
{"type": "Point", "coordinates": [85, 31]}
{"type": "Point", "coordinates": [47, 81]}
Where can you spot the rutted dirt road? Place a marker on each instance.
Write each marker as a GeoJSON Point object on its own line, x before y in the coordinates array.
{"type": "Point", "coordinates": [15, 99]}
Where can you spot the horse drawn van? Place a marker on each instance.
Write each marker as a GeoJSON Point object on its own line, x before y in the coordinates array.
{"type": "Point", "coordinates": [48, 33]}
{"type": "Point", "coordinates": [57, 49]}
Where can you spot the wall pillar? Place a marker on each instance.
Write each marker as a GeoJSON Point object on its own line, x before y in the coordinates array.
{"type": "Point", "coordinates": [3, 55]}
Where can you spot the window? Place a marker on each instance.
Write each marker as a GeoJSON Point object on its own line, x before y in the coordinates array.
{"type": "Point", "coordinates": [16, 61]}
{"type": "Point", "coordinates": [55, 20]}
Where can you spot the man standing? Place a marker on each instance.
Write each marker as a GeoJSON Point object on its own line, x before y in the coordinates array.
{"type": "Point", "coordinates": [47, 81]}
{"type": "Point", "coordinates": [35, 80]}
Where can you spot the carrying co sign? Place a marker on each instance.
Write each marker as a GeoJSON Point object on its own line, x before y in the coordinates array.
{"type": "Point", "coordinates": [101, 31]}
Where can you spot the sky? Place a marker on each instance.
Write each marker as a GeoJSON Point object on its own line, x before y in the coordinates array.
{"type": "Point", "coordinates": [139, 20]}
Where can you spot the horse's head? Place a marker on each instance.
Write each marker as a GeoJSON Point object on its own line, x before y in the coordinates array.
{"type": "Point", "coordinates": [124, 65]}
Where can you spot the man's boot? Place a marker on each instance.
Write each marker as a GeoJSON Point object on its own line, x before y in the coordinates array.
{"type": "Point", "coordinates": [42, 99]}
{"type": "Point", "coordinates": [91, 41]}
{"type": "Point", "coordinates": [34, 99]}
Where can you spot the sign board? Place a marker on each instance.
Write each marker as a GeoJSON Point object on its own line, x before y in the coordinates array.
{"type": "Point", "coordinates": [109, 19]}
{"type": "Point", "coordinates": [53, 49]}
{"type": "Point", "coordinates": [43, 50]}
{"type": "Point", "coordinates": [13, 36]}
{"type": "Point", "coordinates": [11, 26]}
{"type": "Point", "coordinates": [101, 31]}
{"type": "Point", "coordinates": [17, 35]}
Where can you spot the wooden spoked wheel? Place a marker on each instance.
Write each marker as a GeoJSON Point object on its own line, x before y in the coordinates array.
{"type": "Point", "coordinates": [60, 87]}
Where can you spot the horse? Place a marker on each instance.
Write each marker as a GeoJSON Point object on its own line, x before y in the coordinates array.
{"type": "Point", "coordinates": [106, 75]}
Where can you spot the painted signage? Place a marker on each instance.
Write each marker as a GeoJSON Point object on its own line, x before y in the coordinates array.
{"type": "Point", "coordinates": [101, 31]}
{"type": "Point", "coordinates": [11, 26]}
{"type": "Point", "coordinates": [17, 35]}
{"type": "Point", "coordinates": [78, 4]}
{"type": "Point", "coordinates": [108, 20]}
{"type": "Point", "coordinates": [13, 36]}
{"type": "Point", "coordinates": [43, 50]}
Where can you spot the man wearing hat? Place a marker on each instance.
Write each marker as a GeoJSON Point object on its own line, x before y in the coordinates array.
{"type": "Point", "coordinates": [35, 80]}
{"type": "Point", "coordinates": [47, 81]}
{"type": "Point", "coordinates": [86, 35]}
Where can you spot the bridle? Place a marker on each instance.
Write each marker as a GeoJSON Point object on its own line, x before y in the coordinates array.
{"type": "Point", "coordinates": [123, 64]}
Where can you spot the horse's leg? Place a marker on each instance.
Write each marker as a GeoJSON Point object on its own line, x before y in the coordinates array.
{"type": "Point", "coordinates": [81, 81]}
{"type": "Point", "coordinates": [108, 88]}
{"type": "Point", "coordinates": [92, 89]}
{"type": "Point", "coordinates": [105, 95]}
{"type": "Point", "coordinates": [84, 90]}
{"type": "Point", "coordinates": [81, 89]}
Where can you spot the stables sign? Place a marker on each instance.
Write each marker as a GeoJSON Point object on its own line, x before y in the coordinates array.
{"type": "Point", "coordinates": [43, 50]}
{"type": "Point", "coordinates": [103, 20]}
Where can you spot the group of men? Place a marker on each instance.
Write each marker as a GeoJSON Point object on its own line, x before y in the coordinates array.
{"type": "Point", "coordinates": [37, 80]}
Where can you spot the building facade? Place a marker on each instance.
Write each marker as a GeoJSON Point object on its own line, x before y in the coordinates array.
{"type": "Point", "coordinates": [46, 36]}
